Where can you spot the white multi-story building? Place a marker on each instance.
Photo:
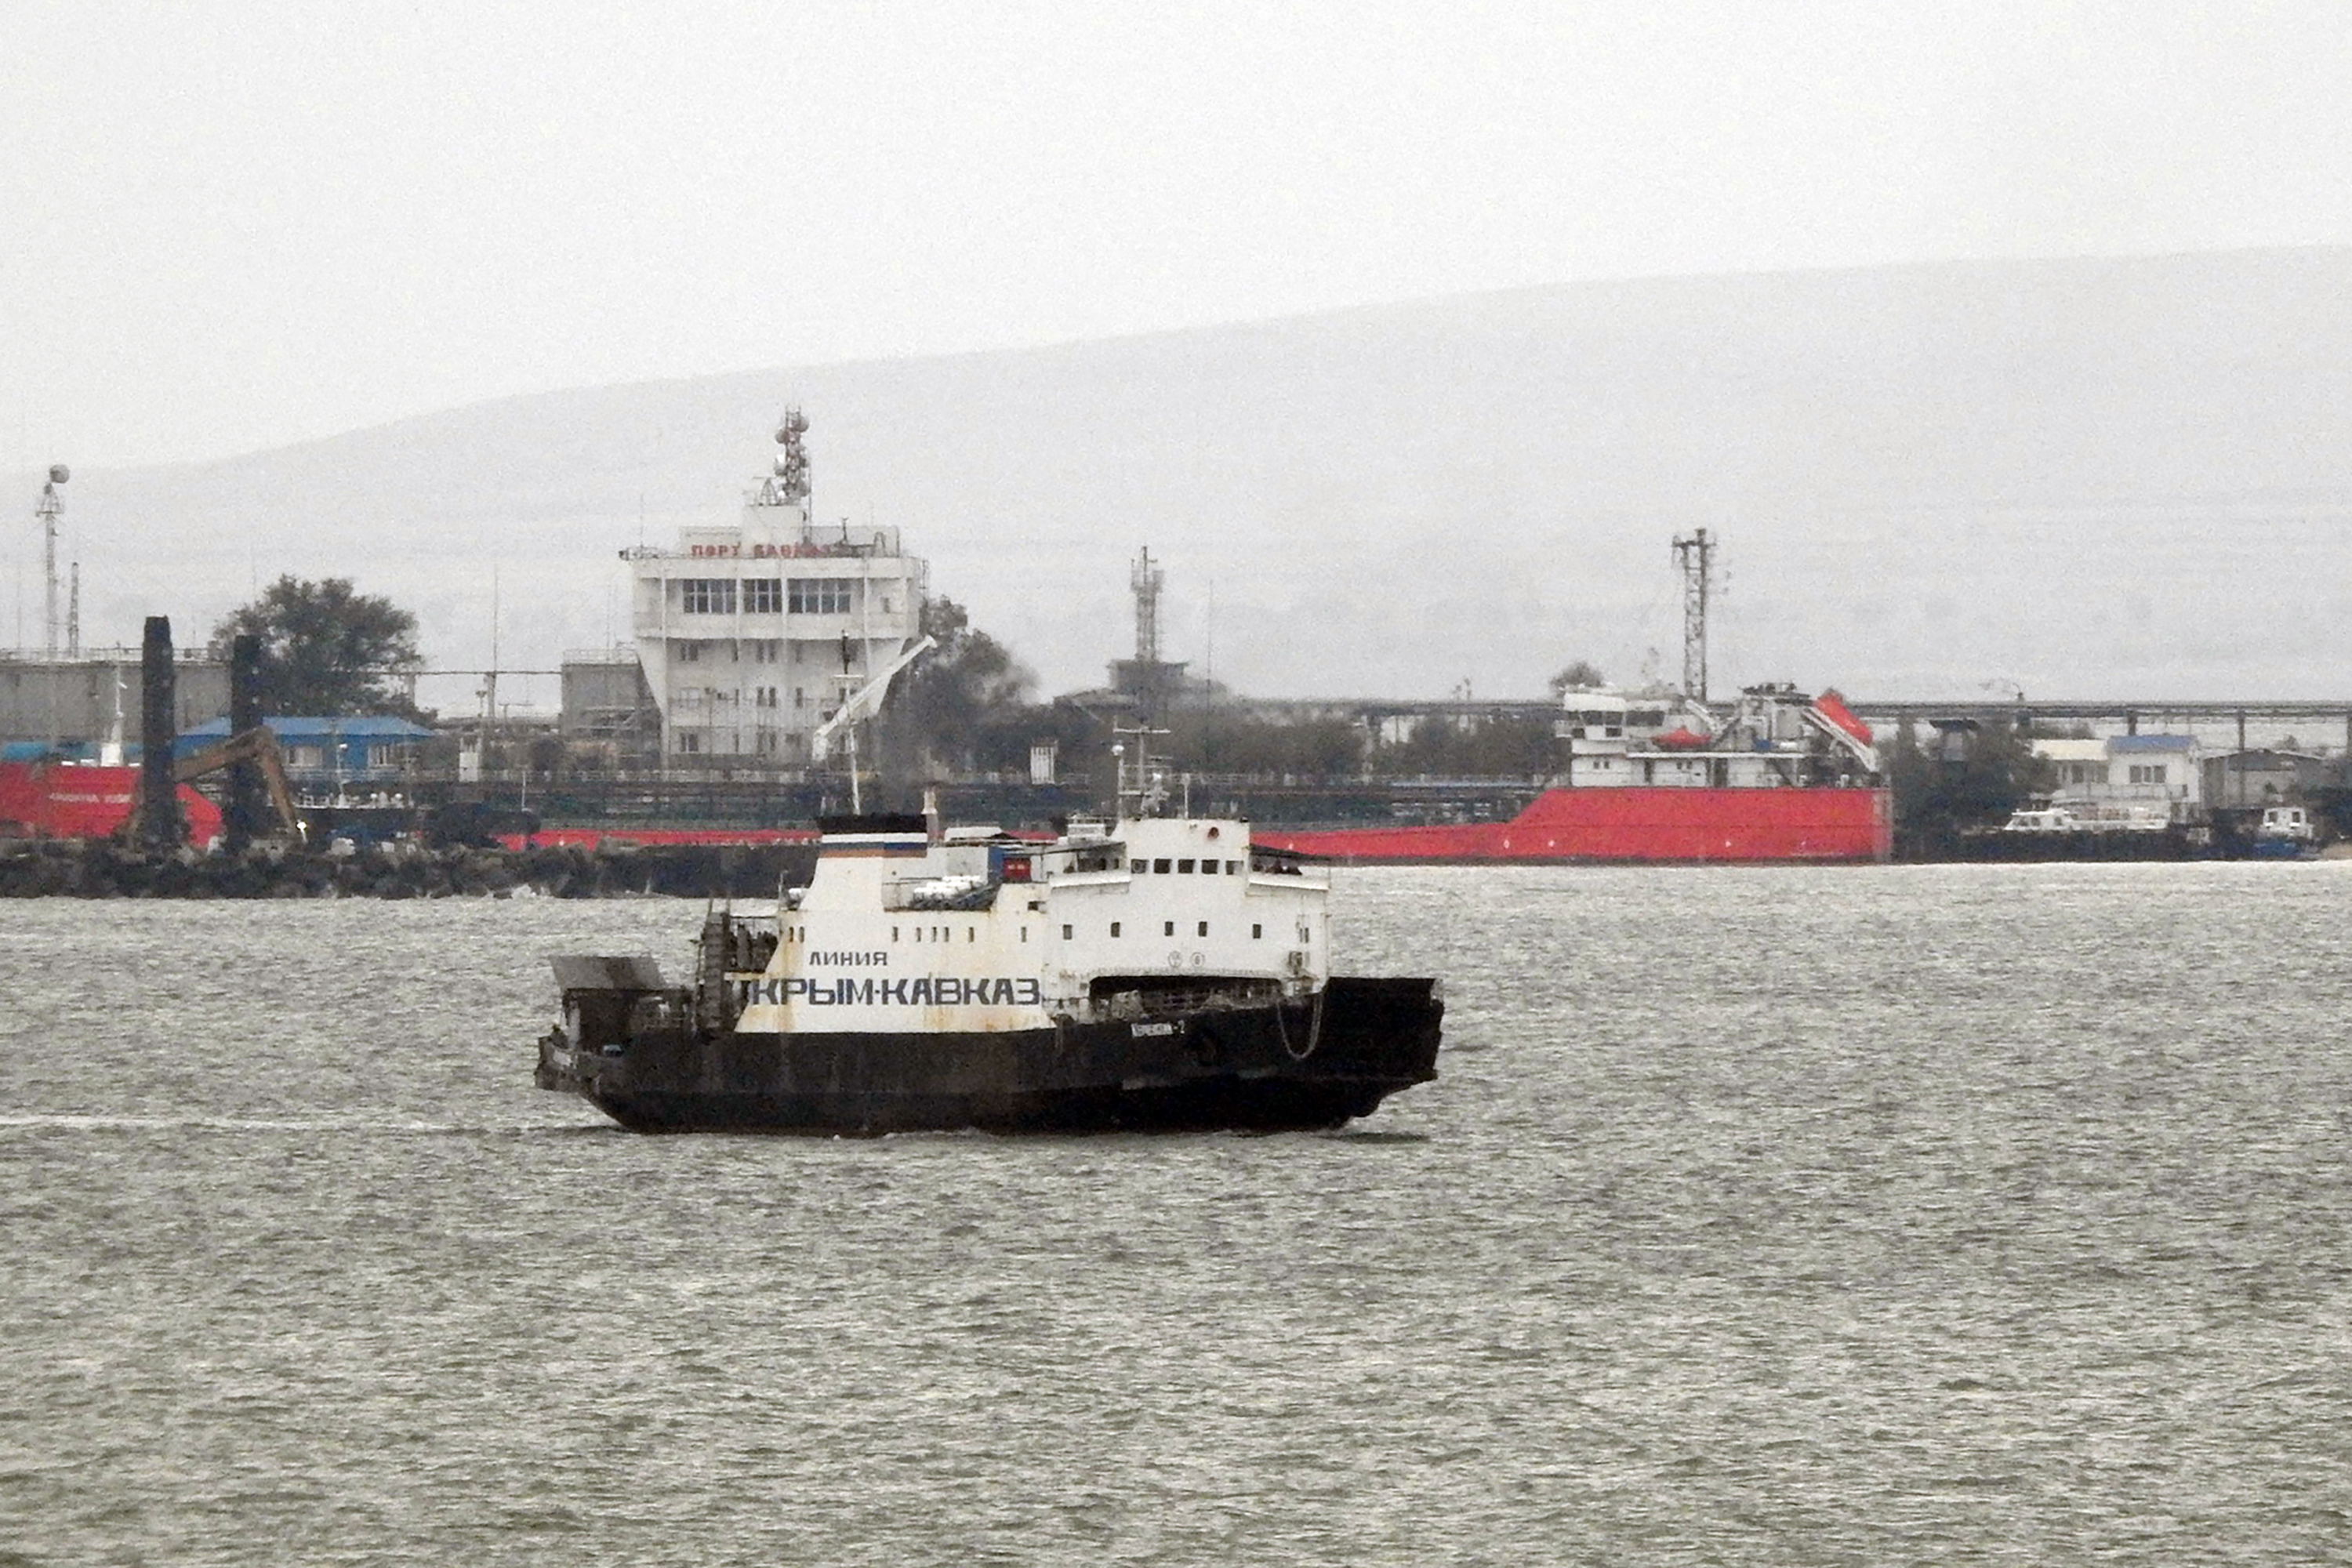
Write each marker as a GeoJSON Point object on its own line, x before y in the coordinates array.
{"type": "Point", "coordinates": [2119, 777]}
{"type": "Point", "coordinates": [751, 636]}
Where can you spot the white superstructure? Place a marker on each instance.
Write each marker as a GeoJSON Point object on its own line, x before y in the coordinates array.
{"type": "Point", "coordinates": [752, 635]}
{"type": "Point", "coordinates": [982, 934]}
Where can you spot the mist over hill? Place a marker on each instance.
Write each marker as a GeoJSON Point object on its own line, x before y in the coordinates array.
{"type": "Point", "coordinates": [2083, 477]}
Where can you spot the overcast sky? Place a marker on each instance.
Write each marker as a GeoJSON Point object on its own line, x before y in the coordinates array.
{"type": "Point", "coordinates": [227, 227]}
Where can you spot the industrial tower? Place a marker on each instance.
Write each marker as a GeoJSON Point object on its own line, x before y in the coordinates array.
{"type": "Point", "coordinates": [1695, 555]}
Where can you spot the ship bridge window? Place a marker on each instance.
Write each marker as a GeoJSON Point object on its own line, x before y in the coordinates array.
{"type": "Point", "coordinates": [1184, 867]}
{"type": "Point", "coordinates": [1159, 867]}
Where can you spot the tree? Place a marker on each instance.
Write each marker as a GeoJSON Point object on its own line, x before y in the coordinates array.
{"type": "Point", "coordinates": [950, 699]}
{"type": "Point", "coordinates": [1971, 778]}
{"type": "Point", "coordinates": [1582, 672]}
{"type": "Point", "coordinates": [328, 650]}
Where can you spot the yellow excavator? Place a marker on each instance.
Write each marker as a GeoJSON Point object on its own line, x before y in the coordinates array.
{"type": "Point", "coordinates": [256, 745]}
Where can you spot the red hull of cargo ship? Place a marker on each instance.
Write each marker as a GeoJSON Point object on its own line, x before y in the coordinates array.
{"type": "Point", "coordinates": [1635, 825]}
{"type": "Point", "coordinates": [73, 800]}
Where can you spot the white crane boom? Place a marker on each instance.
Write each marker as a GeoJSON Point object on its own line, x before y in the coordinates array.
{"type": "Point", "coordinates": [862, 703]}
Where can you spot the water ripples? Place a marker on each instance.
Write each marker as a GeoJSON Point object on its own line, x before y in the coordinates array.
{"type": "Point", "coordinates": [1980, 1214]}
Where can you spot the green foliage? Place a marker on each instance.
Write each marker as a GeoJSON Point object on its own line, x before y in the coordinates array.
{"type": "Point", "coordinates": [951, 707]}
{"type": "Point", "coordinates": [1212, 741]}
{"type": "Point", "coordinates": [328, 650]}
{"type": "Point", "coordinates": [1971, 780]}
{"type": "Point", "coordinates": [1487, 748]}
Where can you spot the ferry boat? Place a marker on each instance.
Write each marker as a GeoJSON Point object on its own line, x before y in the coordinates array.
{"type": "Point", "coordinates": [1783, 775]}
{"type": "Point", "coordinates": [1163, 973]}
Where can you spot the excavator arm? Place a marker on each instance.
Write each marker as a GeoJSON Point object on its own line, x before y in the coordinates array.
{"type": "Point", "coordinates": [256, 745]}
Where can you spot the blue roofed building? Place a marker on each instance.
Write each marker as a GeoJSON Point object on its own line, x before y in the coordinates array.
{"type": "Point", "coordinates": [2128, 777]}
{"type": "Point", "coordinates": [331, 756]}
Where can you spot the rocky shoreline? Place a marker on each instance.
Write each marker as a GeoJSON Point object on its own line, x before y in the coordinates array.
{"type": "Point", "coordinates": [34, 869]}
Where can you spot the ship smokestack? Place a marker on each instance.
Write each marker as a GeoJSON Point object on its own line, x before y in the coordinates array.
{"type": "Point", "coordinates": [160, 824]}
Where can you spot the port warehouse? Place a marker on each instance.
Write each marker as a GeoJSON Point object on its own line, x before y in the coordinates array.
{"type": "Point", "coordinates": [599, 757]}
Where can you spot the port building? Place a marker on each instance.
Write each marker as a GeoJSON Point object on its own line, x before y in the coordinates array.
{"type": "Point", "coordinates": [751, 635]}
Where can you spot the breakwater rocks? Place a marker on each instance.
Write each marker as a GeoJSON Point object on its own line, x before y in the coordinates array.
{"type": "Point", "coordinates": [33, 869]}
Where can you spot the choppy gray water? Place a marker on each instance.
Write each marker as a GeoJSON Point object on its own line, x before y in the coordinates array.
{"type": "Point", "coordinates": [1916, 1214]}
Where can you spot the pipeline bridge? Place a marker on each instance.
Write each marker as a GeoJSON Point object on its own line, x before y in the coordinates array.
{"type": "Point", "coordinates": [2133, 714]}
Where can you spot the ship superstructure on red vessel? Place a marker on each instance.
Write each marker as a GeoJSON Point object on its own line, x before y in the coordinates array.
{"type": "Point", "coordinates": [1657, 777]}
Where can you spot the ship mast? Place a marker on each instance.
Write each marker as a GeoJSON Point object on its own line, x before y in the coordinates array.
{"type": "Point", "coordinates": [1695, 556]}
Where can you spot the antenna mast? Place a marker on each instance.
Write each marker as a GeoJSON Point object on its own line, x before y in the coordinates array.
{"type": "Point", "coordinates": [73, 614]}
{"type": "Point", "coordinates": [1695, 556]}
{"type": "Point", "coordinates": [1146, 581]}
{"type": "Point", "coordinates": [788, 485]}
{"type": "Point", "coordinates": [51, 504]}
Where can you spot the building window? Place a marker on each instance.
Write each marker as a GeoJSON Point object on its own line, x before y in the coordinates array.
{"type": "Point", "coordinates": [1066, 933]}
{"type": "Point", "coordinates": [819, 595]}
{"type": "Point", "coordinates": [1204, 928]}
{"type": "Point", "coordinates": [1184, 867]}
{"type": "Point", "coordinates": [763, 595]}
{"type": "Point", "coordinates": [1258, 933]}
{"type": "Point", "coordinates": [2148, 773]}
{"type": "Point", "coordinates": [690, 653]}
{"type": "Point", "coordinates": [1168, 928]}
{"type": "Point", "coordinates": [708, 596]}
{"type": "Point", "coordinates": [690, 741]}
{"type": "Point", "coordinates": [1159, 867]}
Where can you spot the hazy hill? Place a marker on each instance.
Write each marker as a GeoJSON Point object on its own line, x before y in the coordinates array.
{"type": "Point", "coordinates": [2078, 477]}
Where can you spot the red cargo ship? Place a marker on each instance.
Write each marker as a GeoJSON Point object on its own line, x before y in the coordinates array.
{"type": "Point", "coordinates": [51, 799]}
{"type": "Point", "coordinates": [1656, 778]}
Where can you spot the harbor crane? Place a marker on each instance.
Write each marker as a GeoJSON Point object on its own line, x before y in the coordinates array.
{"type": "Point", "coordinates": [861, 704]}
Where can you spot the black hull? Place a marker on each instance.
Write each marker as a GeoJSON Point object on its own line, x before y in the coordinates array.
{"type": "Point", "coordinates": [1257, 1068]}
